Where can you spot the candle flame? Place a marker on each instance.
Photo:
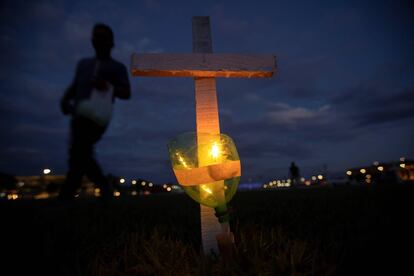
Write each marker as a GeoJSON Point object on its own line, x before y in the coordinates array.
{"type": "Point", "coordinates": [215, 150]}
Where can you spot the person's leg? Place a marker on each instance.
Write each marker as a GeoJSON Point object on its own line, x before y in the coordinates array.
{"type": "Point", "coordinates": [92, 168]}
{"type": "Point", "coordinates": [95, 174]}
{"type": "Point", "coordinates": [79, 150]}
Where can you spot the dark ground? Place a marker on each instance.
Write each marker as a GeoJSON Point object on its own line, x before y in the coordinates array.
{"type": "Point", "coordinates": [318, 231]}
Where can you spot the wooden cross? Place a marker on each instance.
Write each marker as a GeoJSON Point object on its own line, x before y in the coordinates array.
{"type": "Point", "coordinates": [204, 67]}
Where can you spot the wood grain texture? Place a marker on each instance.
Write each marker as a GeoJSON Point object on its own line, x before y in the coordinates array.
{"type": "Point", "coordinates": [207, 117]}
{"type": "Point", "coordinates": [203, 65]}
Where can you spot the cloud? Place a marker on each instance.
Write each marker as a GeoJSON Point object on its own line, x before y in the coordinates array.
{"type": "Point", "coordinates": [372, 104]}
{"type": "Point", "coordinates": [48, 10]}
{"type": "Point", "coordinates": [124, 48]}
{"type": "Point", "coordinates": [153, 5]}
{"type": "Point", "coordinates": [282, 113]}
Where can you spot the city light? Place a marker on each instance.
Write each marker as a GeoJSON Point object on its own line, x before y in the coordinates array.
{"type": "Point", "coordinates": [302, 179]}
{"type": "Point", "coordinates": [320, 177]}
{"type": "Point", "coordinates": [402, 165]}
{"type": "Point", "coordinates": [349, 173]}
{"type": "Point", "coordinates": [117, 193]}
{"type": "Point", "coordinates": [47, 171]}
{"type": "Point", "coordinates": [12, 196]}
{"type": "Point", "coordinates": [169, 189]}
{"type": "Point", "coordinates": [402, 159]}
{"type": "Point", "coordinates": [368, 176]}
{"type": "Point", "coordinates": [380, 168]}
{"type": "Point", "coordinates": [134, 182]}
{"type": "Point", "coordinates": [134, 193]}
{"type": "Point", "coordinates": [150, 184]}
{"type": "Point", "coordinates": [143, 183]}
{"type": "Point", "coordinates": [164, 186]}
{"type": "Point", "coordinates": [363, 170]}
{"type": "Point", "coordinates": [313, 177]}
{"type": "Point", "coordinates": [122, 180]}
{"type": "Point", "coordinates": [376, 163]}
{"type": "Point", "coordinates": [42, 195]}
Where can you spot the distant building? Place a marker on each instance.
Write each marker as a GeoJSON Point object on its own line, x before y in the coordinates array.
{"type": "Point", "coordinates": [383, 173]}
{"type": "Point", "coordinates": [40, 180]}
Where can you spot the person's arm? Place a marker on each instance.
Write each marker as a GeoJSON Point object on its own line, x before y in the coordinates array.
{"type": "Point", "coordinates": [122, 88]}
{"type": "Point", "coordinates": [66, 103]}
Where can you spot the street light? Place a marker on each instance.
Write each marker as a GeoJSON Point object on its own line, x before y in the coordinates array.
{"type": "Point", "coordinates": [47, 171]}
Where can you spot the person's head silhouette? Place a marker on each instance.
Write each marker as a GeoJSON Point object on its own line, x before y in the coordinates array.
{"type": "Point", "coordinates": [102, 40]}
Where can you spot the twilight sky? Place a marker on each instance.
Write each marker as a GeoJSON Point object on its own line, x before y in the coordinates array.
{"type": "Point", "coordinates": [343, 95]}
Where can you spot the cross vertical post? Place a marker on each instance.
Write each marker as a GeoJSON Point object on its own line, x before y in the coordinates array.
{"type": "Point", "coordinates": [207, 121]}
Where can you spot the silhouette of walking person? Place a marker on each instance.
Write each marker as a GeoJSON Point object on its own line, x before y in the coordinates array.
{"type": "Point", "coordinates": [294, 173]}
{"type": "Point", "coordinates": [89, 100]}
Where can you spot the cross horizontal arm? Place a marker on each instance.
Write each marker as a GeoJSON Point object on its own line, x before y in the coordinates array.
{"type": "Point", "coordinates": [203, 65]}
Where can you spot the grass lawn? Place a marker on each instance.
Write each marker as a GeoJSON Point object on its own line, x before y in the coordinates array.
{"type": "Point", "coordinates": [318, 231]}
